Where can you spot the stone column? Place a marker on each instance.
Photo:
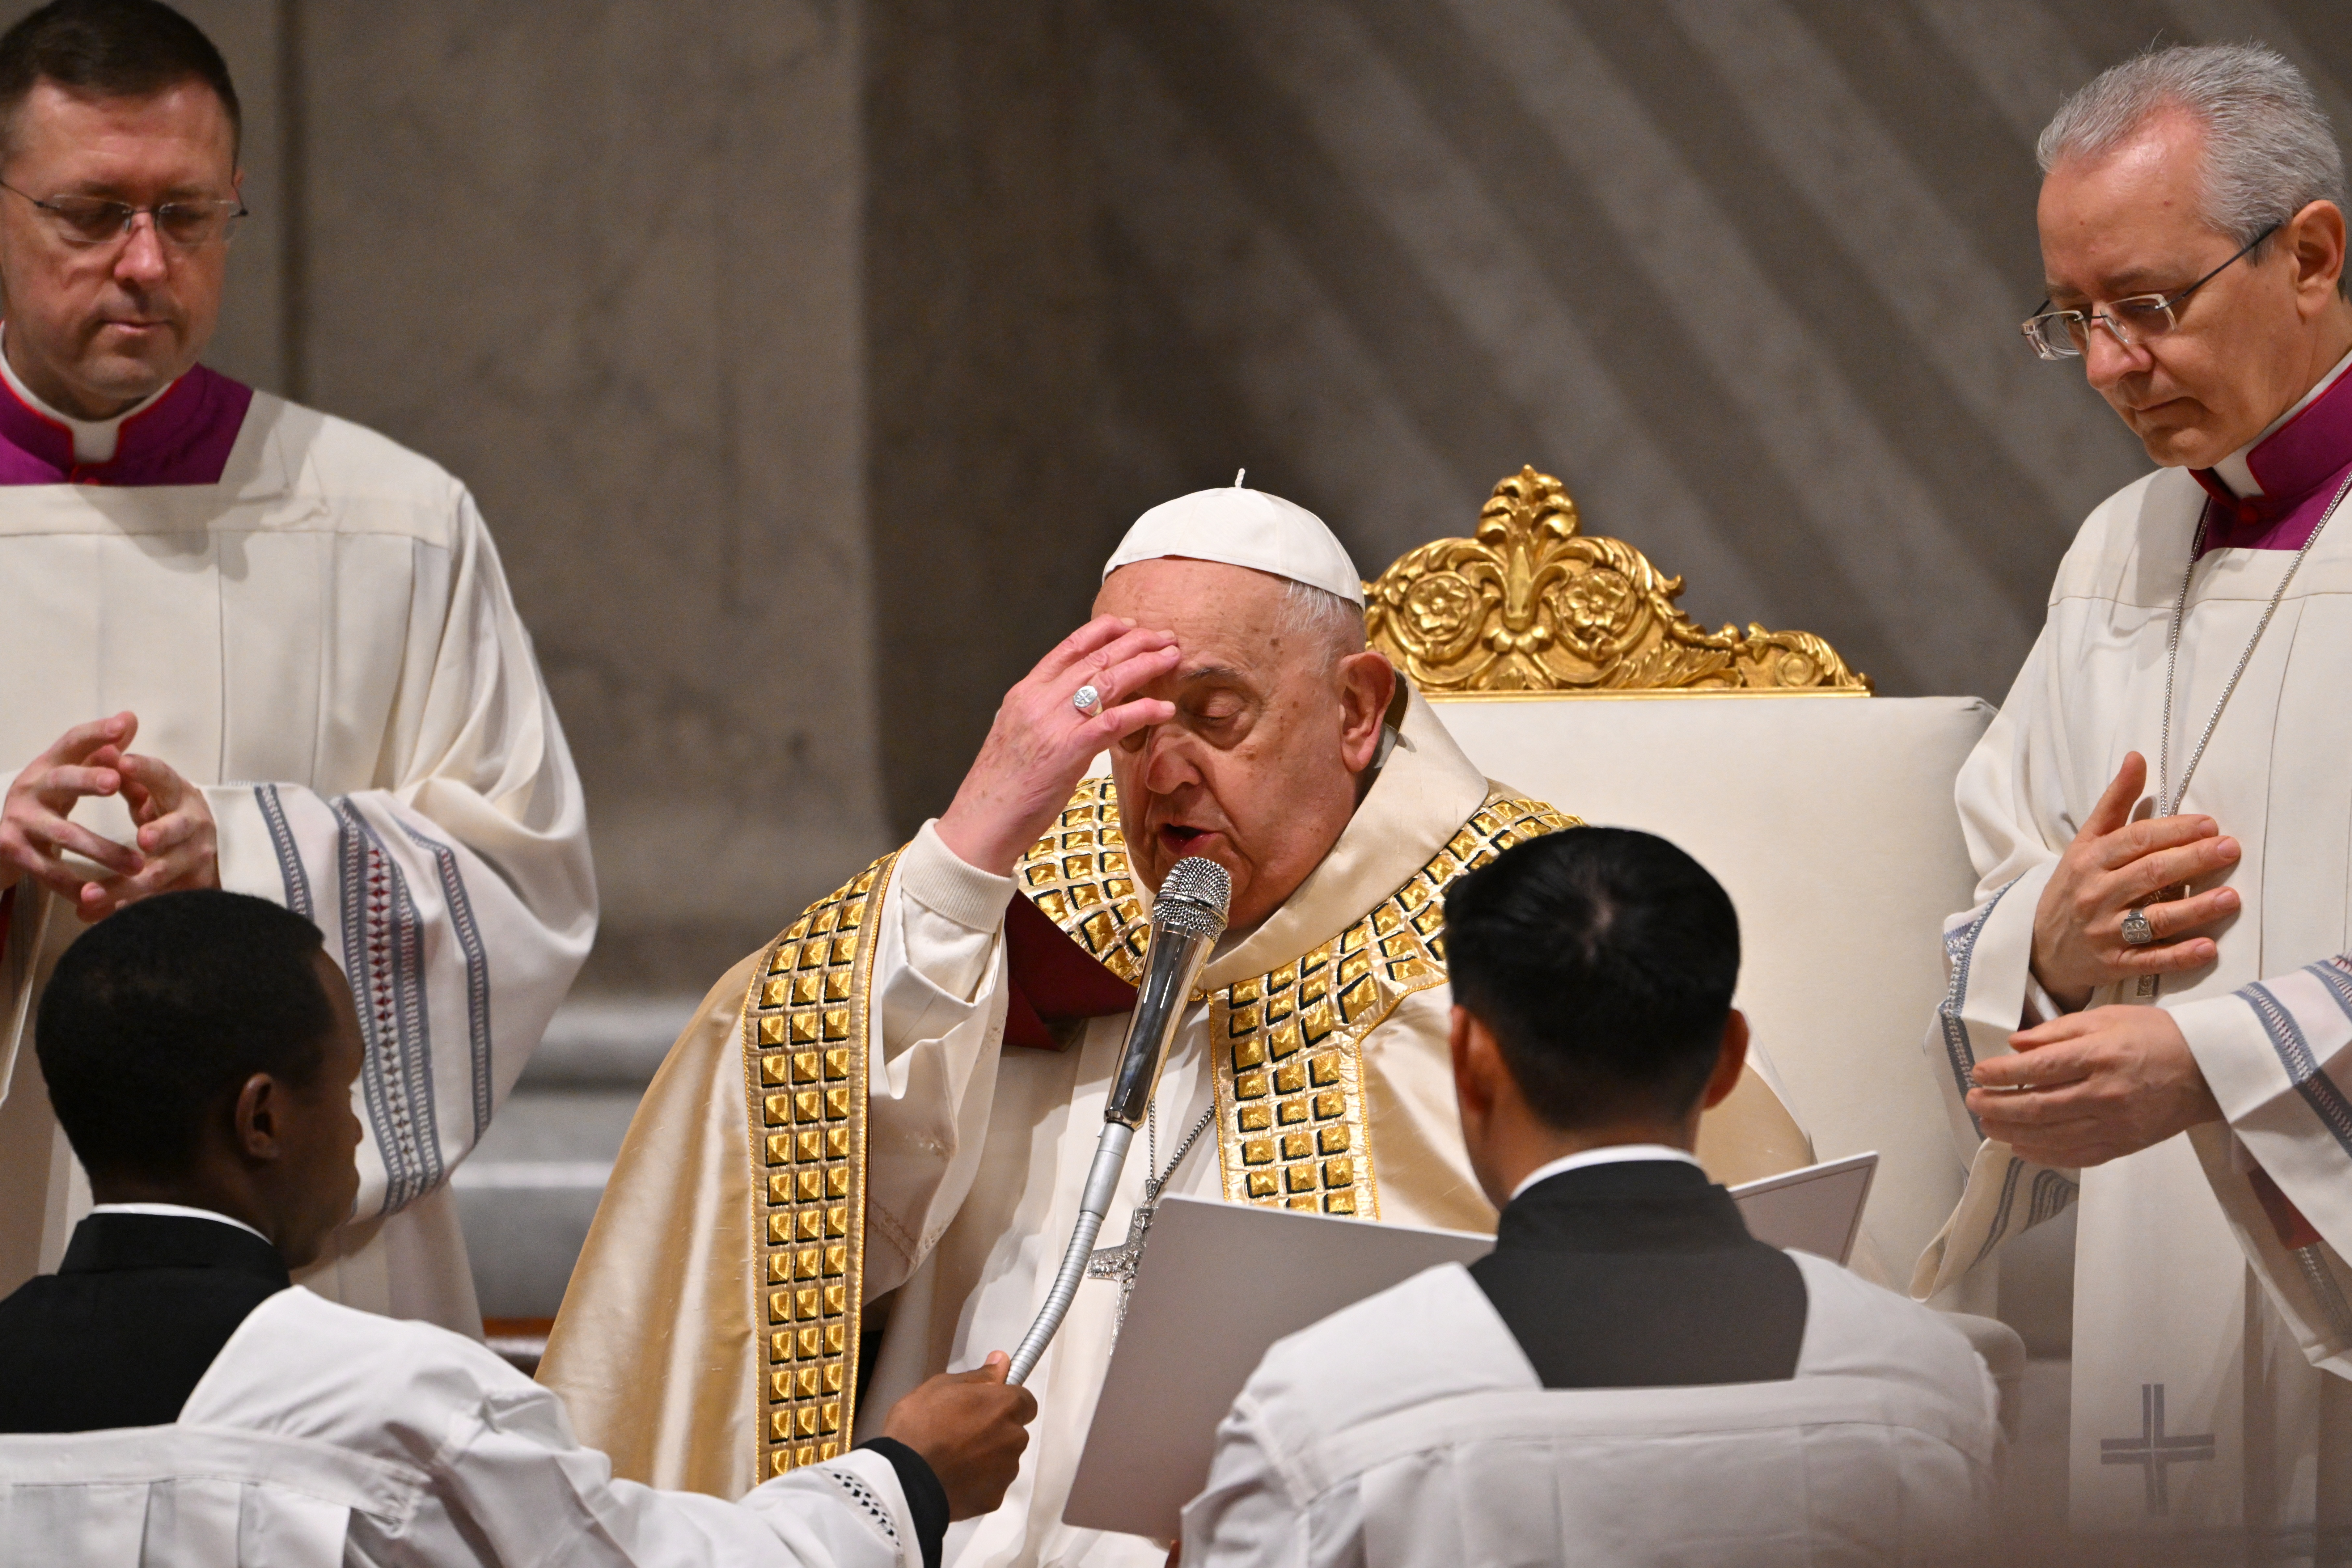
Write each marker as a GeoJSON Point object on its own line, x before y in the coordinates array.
{"type": "Point", "coordinates": [602, 261]}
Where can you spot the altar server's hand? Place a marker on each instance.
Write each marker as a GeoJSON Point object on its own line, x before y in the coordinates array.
{"type": "Point", "coordinates": [2116, 864]}
{"type": "Point", "coordinates": [177, 838]}
{"type": "Point", "coordinates": [35, 831]}
{"type": "Point", "coordinates": [970, 1428]}
{"type": "Point", "coordinates": [1039, 747]}
{"type": "Point", "coordinates": [2093, 1087]}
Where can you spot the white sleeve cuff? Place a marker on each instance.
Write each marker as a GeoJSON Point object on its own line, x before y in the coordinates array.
{"type": "Point", "coordinates": [936, 877]}
{"type": "Point", "coordinates": [250, 856]}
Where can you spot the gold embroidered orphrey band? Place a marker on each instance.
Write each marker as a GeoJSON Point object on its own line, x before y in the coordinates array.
{"type": "Point", "coordinates": [1288, 1072]}
{"type": "Point", "coordinates": [1289, 1060]}
{"type": "Point", "coordinates": [804, 1061]}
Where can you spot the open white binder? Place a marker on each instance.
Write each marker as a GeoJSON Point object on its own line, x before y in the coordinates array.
{"type": "Point", "coordinates": [1219, 1282]}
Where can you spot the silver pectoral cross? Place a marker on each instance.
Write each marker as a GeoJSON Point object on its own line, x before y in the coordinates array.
{"type": "Point", "coordinates": [1118, 1262]}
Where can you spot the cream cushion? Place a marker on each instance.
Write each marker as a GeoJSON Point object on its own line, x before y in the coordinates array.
{"type": "Point", "coordinates": [1829, 821]}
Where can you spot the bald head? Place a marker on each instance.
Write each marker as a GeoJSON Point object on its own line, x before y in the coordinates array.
{"type": "Point", "coordinates": [1277, 715]}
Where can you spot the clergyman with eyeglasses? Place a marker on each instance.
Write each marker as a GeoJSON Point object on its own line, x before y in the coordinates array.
{"type": "Point", "coordinates": [2150, 1009]}
{"type": "Point", "coordinates": [248, 646]}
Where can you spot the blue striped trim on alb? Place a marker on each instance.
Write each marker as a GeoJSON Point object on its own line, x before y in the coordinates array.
{"type": "Point", "coordinates": [2319, 1090]}
{"type": "Point", "coordinates": [1960, 953]}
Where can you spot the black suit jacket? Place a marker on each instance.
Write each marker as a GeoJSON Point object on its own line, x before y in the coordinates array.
{"type": "Point", "coordinates": [1641, 1274]}
{"type": "Point", "coordinates": [120, 1334]}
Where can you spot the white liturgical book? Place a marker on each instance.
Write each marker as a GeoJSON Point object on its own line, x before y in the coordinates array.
{"type": "Point", "coordinates": [1219, 1282]}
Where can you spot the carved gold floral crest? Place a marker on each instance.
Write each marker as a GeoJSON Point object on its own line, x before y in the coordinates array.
{"type": "Point", "coordinates": [1533, 603]}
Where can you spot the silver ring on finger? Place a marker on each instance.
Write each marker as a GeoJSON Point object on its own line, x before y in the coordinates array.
{"type": "Point", "coordinates": [1086, 699]}
{"type": "Point", "coordinates": [2137, 932]}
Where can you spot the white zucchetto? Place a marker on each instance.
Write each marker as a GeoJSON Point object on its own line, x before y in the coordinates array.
{"type": "Point", "coordinates": [1244, 528]}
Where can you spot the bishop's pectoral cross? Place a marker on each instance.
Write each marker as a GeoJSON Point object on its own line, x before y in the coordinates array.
{"type": "Point", "coordinates": [1118, 1262]}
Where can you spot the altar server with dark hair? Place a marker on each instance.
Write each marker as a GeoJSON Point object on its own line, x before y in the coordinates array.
{"type": "Point", "coordinates": [169, 1397]}
{"type": "Point", "coordinates": [1629, 1377]}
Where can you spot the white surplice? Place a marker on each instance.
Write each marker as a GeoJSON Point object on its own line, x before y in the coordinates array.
{"type": "Point", "coordinates": [324, 1436]}
{"type": "Point", "coordinates": [2198, 1402]}
{"type": "Point", "coordinates": [325, 642]}
{"type": "Point", "coordinates": [1411, 1430]}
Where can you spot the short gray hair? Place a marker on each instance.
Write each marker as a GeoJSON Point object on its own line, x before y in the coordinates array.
{"type": "Point", "coordinates": [1322, 615]}
{"type": "Point", "coordinates": [2269, 149]}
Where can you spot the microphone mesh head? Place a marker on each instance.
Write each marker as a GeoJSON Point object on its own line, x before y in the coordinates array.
{"type": "Point", "coordinates": [1196, 890]}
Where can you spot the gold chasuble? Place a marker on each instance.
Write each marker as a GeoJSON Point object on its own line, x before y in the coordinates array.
{"type": "Point", "coordinates": [850, 1136]}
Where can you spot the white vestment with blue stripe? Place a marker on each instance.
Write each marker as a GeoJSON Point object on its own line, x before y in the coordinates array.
{"type": "Point", "coordinates": [2209, 1355]}
{"type": "Point", "coordinates": [323, 641]}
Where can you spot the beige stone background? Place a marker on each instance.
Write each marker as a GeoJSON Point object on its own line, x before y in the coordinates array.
{"type": "Point", "coordinates": [807, 356]}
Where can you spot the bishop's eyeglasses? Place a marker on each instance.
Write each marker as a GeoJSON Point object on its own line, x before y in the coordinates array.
{"type": "Point", "coordinates": [86, 221]}
{"type": "Point", "coordinates": [2137, 319]}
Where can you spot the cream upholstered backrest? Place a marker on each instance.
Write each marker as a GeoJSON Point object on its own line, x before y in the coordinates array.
{"type": "Point", "coordinates": [1560, 665]}
{"type": "Point", "coordinates": [1831, 823]}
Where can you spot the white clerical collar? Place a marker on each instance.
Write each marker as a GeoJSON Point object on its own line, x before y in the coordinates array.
{"type": "Point", "coordinates": [94, 440]}
{"type": "Point", "coordinates": [177, 1211]}
{"type": "Point", "coordinates": [1607, 1154]}
{"type": "Point", "coordinates": [2236, 472]}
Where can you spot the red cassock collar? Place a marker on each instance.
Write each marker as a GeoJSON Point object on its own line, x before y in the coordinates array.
{"type": "Point", "coordinates": [1055, 981]}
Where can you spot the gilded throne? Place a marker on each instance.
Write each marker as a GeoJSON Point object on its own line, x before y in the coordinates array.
{"type": "Point", "coordinates": [1559, 661]}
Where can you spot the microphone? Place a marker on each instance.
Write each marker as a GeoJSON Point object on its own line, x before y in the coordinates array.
{"type": "Point", "coordinates": [1187, 918]}
{"type": "Point", "coordinates": [1186, 921]}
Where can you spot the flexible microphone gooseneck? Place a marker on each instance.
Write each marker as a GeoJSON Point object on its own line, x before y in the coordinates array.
{"type": "Point", "coordinates": [1187, 918]}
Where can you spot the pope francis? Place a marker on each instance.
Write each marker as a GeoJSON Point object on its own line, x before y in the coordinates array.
{"type": "Point", "coordinates": [869, 1146]}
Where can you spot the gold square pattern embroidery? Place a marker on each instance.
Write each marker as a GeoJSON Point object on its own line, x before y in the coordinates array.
{"type": "Point", "coordinates": [1078, 877]}
{"type": "Point", "coordinates": [808, 1100]}
{"type": "Point", "coordinates": [1289, 1073]}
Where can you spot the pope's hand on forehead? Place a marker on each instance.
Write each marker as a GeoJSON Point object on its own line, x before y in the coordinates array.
{"type": "Point", "coordinates": [1041, 742]}
{"type": "Point", "coordinates": [1103, 644]}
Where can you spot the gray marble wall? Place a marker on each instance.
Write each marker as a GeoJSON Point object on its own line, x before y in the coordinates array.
{"type": "Point", "coordinates": [806, 355]}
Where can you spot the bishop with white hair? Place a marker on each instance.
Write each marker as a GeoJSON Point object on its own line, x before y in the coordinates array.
{"type": "Point", "coordinates": [882, 1121]}
{"type": "Point", "coordinates": [2152, 999]}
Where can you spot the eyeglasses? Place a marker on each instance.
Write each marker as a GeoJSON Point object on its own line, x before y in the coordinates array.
{"type": "Point", "coordinates": [88, 221]}
{"type": "Point", "coordinates": [2063, 334]}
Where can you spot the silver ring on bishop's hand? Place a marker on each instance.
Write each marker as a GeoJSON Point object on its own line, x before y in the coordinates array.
{"type": "Point", "coordinates": [1086, 699]}
{"type": "Point", "coordinates": [2137, 931]}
